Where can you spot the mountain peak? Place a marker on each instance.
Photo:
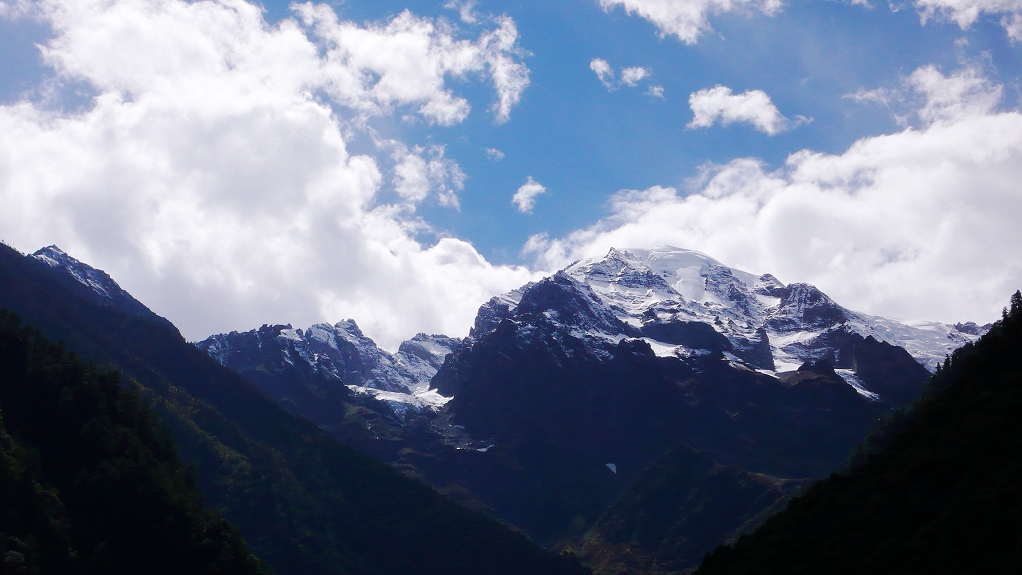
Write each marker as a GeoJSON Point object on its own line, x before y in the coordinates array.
{"type": "Point", "coordinates": [653, 292]}
{"type": "Point", "coordinates": [349, 326]}
{"type": "Point", "coordinates": [338, 354]}
{"type": "Point", "coordinates": [51, 249]}
{"type": "Point", "coordinates": [96, 283]}
{"type": "Point", "coordinates": [96, 280]}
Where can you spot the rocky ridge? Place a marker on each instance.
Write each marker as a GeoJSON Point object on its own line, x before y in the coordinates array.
{"type": "Point", "coordinates": [342, 354]}
{"type": "Point", "coordinates": [680, 302]}
{"type": "Point", "coordinates": [668, 297]}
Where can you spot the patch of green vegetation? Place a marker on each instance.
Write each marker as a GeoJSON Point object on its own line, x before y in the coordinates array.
{"type": "Point", "coordinates": [90, 481]}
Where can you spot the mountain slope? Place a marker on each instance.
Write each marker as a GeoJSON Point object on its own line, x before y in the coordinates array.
{"type": "Point", "coordinates": [559, 408]}
{"type": "Point", "coordinates": [943, 496]}
{"type": "Point", "coordinates": [90, 481]}
{"type": "Point", "coordinates": [570, 387]}
{"type": "Point", "coordinates": [305, 503]}
{"type": "Point", "coordinates": [681, 505]}
{"type": "Point", "coordinates": [615, 361]}
{"type": "Point", "coordinates": [337, 377]}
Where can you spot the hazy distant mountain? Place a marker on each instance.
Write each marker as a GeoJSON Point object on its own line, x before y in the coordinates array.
{"type": "Point", "coordinates": [378, 402]}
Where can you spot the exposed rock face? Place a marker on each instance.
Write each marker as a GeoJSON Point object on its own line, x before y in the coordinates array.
{"type": "Point", "coordinates": [340, 356]}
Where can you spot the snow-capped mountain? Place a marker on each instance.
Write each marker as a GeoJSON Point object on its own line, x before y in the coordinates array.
{"type": "Point", "coordinates": [342, 355]}
{"type": "Point", "coordinates": [680, 302]}
{"type": "Point", "coordinates": [570, 388]}
{"type": "Point", "coordinates": [92, 283]}
{"type": "Point", "coordinates": [667, 296]}
{"type": "Point", "coordinates": [582, 380]}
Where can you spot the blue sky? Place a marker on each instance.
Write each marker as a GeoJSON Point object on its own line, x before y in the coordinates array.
{"type": "Point", "coordinates": [271, 191]}
{"type": "Point", "coordinates": [584, 142]}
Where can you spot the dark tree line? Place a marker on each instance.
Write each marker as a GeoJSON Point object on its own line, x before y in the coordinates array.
{"type": "Point", "coordinates": [90, 481]}
{"type": "Point", "coordinates": [938, 490]}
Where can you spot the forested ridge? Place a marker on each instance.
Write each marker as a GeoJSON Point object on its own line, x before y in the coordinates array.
{"type": "Point", "coordinates": [936, 491]}
{"type": "Point", "coordinates": [306, 504]}
{"type": "Point", "coordinates": [90, 481]}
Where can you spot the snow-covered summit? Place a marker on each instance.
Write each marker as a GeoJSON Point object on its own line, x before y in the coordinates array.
{"type": "Point", "coordinates": [96, 280]}
{"type": "Point", "coordinates": [341, 354]}
{"type": "Point", "coordinates": [651, 292]}
{"type": "Point", "coordinates": [97, 284]}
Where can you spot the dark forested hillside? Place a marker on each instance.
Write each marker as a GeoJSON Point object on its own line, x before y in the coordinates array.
{"type": "Point", "coordinates": [678, 507]}
{"type": "Point", "coordinates": [304, 503]}
{"type": "Point", "coordinates": [89, 481]}
{"type": "Point", "coordinates": [938, 492]}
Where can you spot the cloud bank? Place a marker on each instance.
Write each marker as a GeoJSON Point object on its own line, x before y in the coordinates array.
{"type": "Point", "coordinates": [921, 224]}
{"type": "Point", "coordinates": [719, 104]}
{"type": "Point", "coordinates": [688, 19]}
{"type": "Point", "coordinates": [209, 173]}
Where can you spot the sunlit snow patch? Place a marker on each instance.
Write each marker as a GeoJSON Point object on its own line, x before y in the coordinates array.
{"type": "Point", "coordinates": [853, 380]}
{"type": "Point", "coordinates": [420, 398]}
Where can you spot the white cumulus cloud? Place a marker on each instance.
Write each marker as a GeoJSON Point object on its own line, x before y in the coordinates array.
{"type": "Point", "coordinates": [415, 176]}
{"type": "Point", "coordinates": [603, 71]}
{"type": "Point", "coordinates": [210, 172]}
{"type": "Point", "coordinates": [919, 224]}
{"type": "Point", "coordinates": [525, 197]}
{"type": "Point", "coordinates": [407, 61]}
{"type": "Point", "coordinates": [927, 95]}
{"type": "Point", "coordinates": [719, 104]}
{"type": "Point", "coordinates": [633, 75]}
{"type": "Point", "coordinates": [688, 19]}
{"type": "Point", "coordinates": [964, 94]}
